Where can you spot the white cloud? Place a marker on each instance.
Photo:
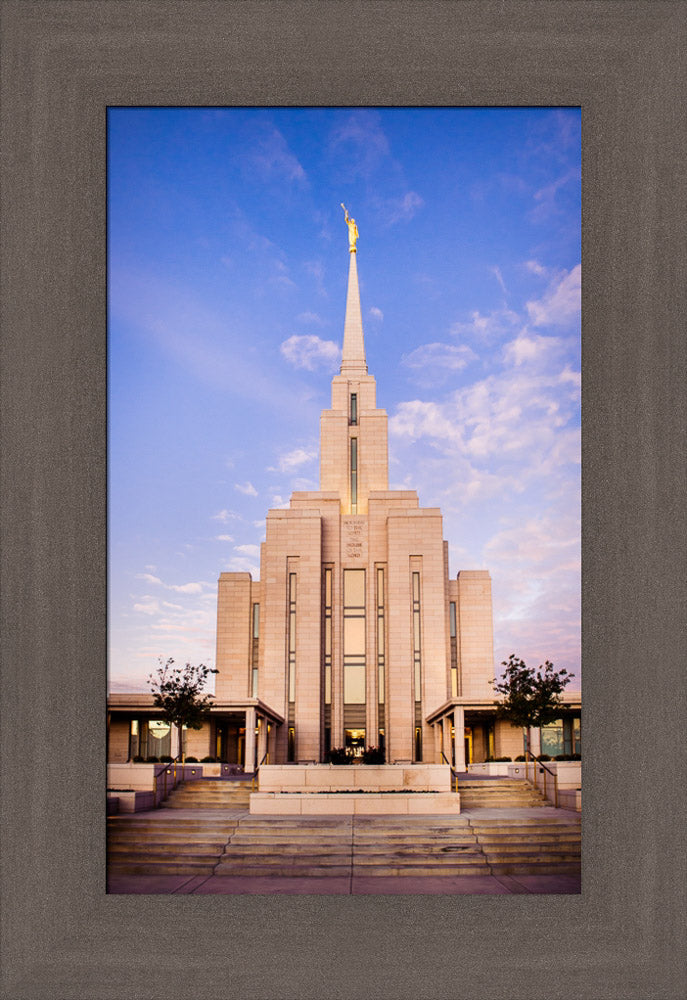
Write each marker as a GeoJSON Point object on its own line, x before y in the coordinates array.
{"type": "Point", "coordinates": [147, 606]}
{"type": "Point", "coordinates": [496, 271]}
{"type": "Point", "coordinates": [534, 267]}
{"type": "Point", "coordinates": [403, 209]}
{"type": "Point", "coordinates": [295, 459]}
{"type": "Point", "coordinates": [185, 588]}
{"type": "Point", "coordinates": [310, 317]}
{"type": "Point", "coordinates": [225, 515]}
{"type": "Point", "coordinates": [360, 143]}
{"type": "Point", "coordinates": [224, 538]}
{"type": "Point", "coordinates": [174, 607]}
{"type": "Point", "coordinates": [246, 488]}
{"type": "Point", "coordinates": [311, 352]}
{"type": "Point", "coordinates": [271, 157]}
{"type": "Point", "coordinates": [530, 348]}
{"type": "Point", "coordinates": [243, 564]}
{"type": "Point", "coordinates": [376, 313]}
{"type": "Point", "coordinates": [248, 550]}
{"type": "Point", "coordinates": [560, 303]}
{"type": "Point", "coordinates": [148, 578]}
{"type": "Point", "coordinates": [444, 356]}
{"type": "Point", "coordinates": [494, 324]}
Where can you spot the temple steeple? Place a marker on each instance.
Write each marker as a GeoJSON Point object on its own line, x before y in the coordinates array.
{"type": "Point", "coordinates": [353, 435]}
{"type": "Point", "coordinates": [353, 355]}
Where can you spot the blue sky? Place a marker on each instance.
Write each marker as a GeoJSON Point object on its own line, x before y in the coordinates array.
{"type": "Point", "coordinates": [228, 261]}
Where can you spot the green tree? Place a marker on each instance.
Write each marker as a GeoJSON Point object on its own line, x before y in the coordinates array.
{"type": "Point", "coordinates": [531, 698]}
{"type": "Point", "coordinates": [178, 692]}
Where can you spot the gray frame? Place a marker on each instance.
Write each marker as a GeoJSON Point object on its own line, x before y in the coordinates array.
{"type": "Point", "coordinates": [63, 63]}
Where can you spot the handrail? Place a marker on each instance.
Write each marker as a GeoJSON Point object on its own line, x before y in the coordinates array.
{"type": "Point", "coordinates": [255, 772]}
{"type": "Point", "coordinates": [454, 773]}
{"type": "Point", "coordinates": [165, 770]}
{"type": "Point", "coordinates": [537, 761]}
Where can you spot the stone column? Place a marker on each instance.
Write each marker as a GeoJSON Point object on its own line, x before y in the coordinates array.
{"type": "Point", "coordinates": [437, 730]}
{"type": "Point", "coordinates": [262, 737]}
{"type": "Point", "coordinates": [249, 763]}
{"type": "Point", "coordinates": [459, 724]}
{"type": "Point", "coordinates": [446, 739]}
{"type": "Point", "coordinates": [272, 742]}
{"type": "Point", "coordinates": [535, 740]}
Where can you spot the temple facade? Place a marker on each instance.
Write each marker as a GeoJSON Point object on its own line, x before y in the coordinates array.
{"type": "Point", "coordinates": [355, 635]}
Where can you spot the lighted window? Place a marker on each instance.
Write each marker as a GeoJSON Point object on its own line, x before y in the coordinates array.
{"type": "Point", "coordinates": [354, 475]}
{"type": "Point", "coordinates": [256, 621]}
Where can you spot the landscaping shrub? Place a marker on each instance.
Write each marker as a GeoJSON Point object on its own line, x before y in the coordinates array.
{"type": "Point", "coordinates": [166, 758]}
{"type": "Point", "coordinates": [191, 760]}
{"type": "Point", "coordinates": [373, 755]}
{"type": "Point", "coordinates": [138, 759]}
{"type": "Point", "coordinates": [152, 760]}
{"type": "Point", "coordinates": [520, 756]}
{"type": "Point", "coordinates": [338, 755]}
{"type": "Point", "coordinates": [208, 760]}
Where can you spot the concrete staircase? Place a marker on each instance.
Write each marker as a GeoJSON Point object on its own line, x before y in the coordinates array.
{"type": "Point", "coordinates": [546, 845]}
{"type": "Point", "coordinates": [161, 843]}
{"type": "Point", "coordinates": [169, 843]}
{"type": "Point", "coordinates": [498, 793]}
{"type": "Point", "coordinates": [209, 793]}
{"type": "Point", "coordinates": [345, 846]}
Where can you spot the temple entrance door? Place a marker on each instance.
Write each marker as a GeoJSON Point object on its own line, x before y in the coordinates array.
{"type": "Point", "coordinates": [355, 741]}
{"type": "Point", "coordinates": [468, 745]}
{"type": "Point", "coordinates": [221, 742]}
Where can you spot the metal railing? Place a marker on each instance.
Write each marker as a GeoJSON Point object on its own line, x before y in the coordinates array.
{"type": "Point", "coordinates": [254, 776]}
{"type": "Point", "coordinates": [454, 773]}
{"type": "Point", "coordinates": [539, 765]}
{"type": "Point", "coordinates": [170, 767]}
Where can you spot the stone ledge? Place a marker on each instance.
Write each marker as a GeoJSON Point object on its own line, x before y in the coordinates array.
{"type": "Point", "coordinates": [352, 804]}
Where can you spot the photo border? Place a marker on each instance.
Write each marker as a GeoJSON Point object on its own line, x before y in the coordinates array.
{"type": "Point", "coordinates": [64, 63]}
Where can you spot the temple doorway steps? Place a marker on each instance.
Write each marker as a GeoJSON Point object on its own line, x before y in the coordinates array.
{"type": "Point", "coordinates": [498, 793]}
{"type": "Point", "coordinates": [210, 793]}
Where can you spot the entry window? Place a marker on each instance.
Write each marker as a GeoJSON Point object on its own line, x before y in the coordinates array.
{"type": "Point", "coordinates": [552, 739]}
{"type": "Point", "coordinates": [354, 636]}
{"type": "Point", "coordinates": [418, 744]}
{"type": "Point", "coordinates": [291, 749]}
{"type": "Point", "coordinates": [355, 741]}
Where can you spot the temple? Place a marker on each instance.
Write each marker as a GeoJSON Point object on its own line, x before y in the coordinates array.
{"type": "Point", "coordinates": [355, 635]}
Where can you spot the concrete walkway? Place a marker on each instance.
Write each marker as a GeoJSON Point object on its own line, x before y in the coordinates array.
{"type": "Point", "coordinates": [353, 884]}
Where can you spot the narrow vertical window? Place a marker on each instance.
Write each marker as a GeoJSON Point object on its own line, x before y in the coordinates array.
{"type": "Point", "coordinates": [380, 637]}
{"type": "Point", "coordinates": [454, 649]}
{"type": "Point", "coordinates": [254, 652]}
{"type": "Point", "coordinates": [328, 635]}
{"type": "Point", "coordinates": [292, 637]}
{"type": "Point", "coordinates": [354, 408]}
{"type": "Point", "coordinates": [417, 639]}
{"type": "Point", "coordinates": [291, 749]}
{"type": "Point", "coordinates": [354, 475]}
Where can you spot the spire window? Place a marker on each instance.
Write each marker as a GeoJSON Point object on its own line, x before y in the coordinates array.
{"type": "Point", "coordinates": [354, 408]}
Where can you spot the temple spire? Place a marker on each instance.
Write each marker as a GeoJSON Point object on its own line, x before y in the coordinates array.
{"type": "Point", "coordinates": [353, 354]}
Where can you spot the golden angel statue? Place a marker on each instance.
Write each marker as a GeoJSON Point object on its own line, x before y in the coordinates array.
{"type": "Point", "coordinates": [352, 230]}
